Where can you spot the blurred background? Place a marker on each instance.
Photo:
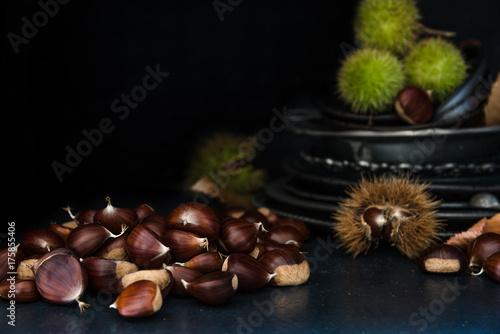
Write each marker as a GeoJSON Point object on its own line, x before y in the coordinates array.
{"type": "Point", "coordinates": [229, 63]}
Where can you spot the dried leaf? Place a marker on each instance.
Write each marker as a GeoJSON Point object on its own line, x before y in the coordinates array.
{"type": "Point", "coordinates": [463, 239]}
{"type": "Point", "coordinates": [492, 108]}
{"type": "Point", "coordinates": [493, 224]}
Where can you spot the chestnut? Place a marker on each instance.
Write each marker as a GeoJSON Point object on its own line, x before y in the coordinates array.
{"type": "Point", "coordinates": [299, 225]}
{"type": "Point", "coordinates": [442, 259]}
{"type": "Point", "coordinates": [86, 239]}
{"type": "Point", "coordinates": [291, 267]}
{"type": "Point", "coordinates": [204, 262]}
{"type": "Point", "coordinates": [114, 218]}
{"type": "Point", "coordinates": [239, 236]}
{"type": "Point", "coordinates": [24, 290]}
{"type": "Point", "coordinates": [185, 245]}
{"type": "Point", "coordinates": [414, 106]}
{"type": "Point", "coordinates": [40, 241]}
{"type": "Point", "coordinates": [157, 223]}
{"type": "Point", "coordinates": [103, 274]}
{"type": "Point", "coordinates": [61, 279]}
{"type": "Point", "coordinates": [196, 218]}
{"type": "Point", "coordinates": [287, 235]}
{"type": "Point", "coordinates": [62, 231]}
{"type": "Point", "coordinates": [140, 299]}
{"type": "Point", "coordinates": [146, 249]}
{"type": "Point", "coordinates": [480, 249]}
{"type": "Point", "coordinates": [142, 211]}
{"type": "Point", "coordinates": [254, 216]}
{"type": "Point", "coordinates": [83, 217]}
{"type": "Point", "coordinates": [215, 288]}
{"type": "Point", "coordinates": [251, 273]}
{"type": "Point", "coordinates": [162, 277]}
{"type": "Point", "coordinates": [114, 249]}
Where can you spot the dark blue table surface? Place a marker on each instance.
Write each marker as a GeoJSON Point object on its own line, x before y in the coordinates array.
{"type": "Point", "coordinates": [380, 292]}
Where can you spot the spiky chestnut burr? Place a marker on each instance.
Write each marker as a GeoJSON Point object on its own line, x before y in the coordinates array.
{"type": "Point", "coordinates": [391, 25]}
{"type": "Point", "coordinates": [397, 209]}
{"type": "Point", "coordinates": [436, 65]}
{"type": "Point", "coordinates": [369, 81]}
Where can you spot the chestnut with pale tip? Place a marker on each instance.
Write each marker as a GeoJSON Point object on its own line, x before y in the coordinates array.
{"type": "Point", "coordinates": [185, 245]}
{"type": "Point", "coordinates": [61, 279]}
{"type": "Point", "coordinates": [204, 262]}
{"type": "Point", "coordinates": [215, 288]}
{"type": "Point", "coordinates": [146, 249]}
{"type": "Point", "coordinates": [86, 239]}
{"type": "Point", "coordinates": [140, 299]}
{"type": "Point", "coordinates": [239, 236]}
{"type": "Point", "coordinates": [24, 290]}
{"type": "Point", "coordinates": [480, 249]}
{"type": "Point", "coordinates": [40, 241]}
{"type": "Point", "coordinates": [414, 106]}
{"type": "Point", "coordinates": [196, 218]}
{"type": "Point", "coordinates": [287, 235]}
{"type": "Point", "coordinates": [179, 274]}
{"type": "Point", "coordinates": [291, 267]}
{"type": "Point", "coordinates": [442, 259]}
{"type": "Point", "coordinates": [114, 218]}
{"type": "Point", "coordinates": [62, 231]}
{"type": "Point", "coordinates": [162, 277]}
{"type": "Point", "coordinates": [251, 273]}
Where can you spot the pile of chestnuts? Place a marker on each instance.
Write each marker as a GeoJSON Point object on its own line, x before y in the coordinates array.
{"type": "Point", "coordinates": [480, 256]}
{"type": "Point", "coordinates": [142, 256]}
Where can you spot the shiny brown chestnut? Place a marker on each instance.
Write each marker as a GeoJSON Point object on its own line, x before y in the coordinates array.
{"type": "Point", "coordinates": [185, 245]}
{"type": "Point", "coordinates": [40, 241]}
{"type": "Point", "coordinates": [287, 235]}
{"type": "Point", "coordinates": [19, 290]}
{"type": "Point", "coordinates": [146, 249]}
{"type": "Point", "coordinates": [254, 216]}
{"type": "Point", "coordinates": [180, 274]}
{"type": "Point", "coordinates": [142, 211]}
{"type": "Point", "coordinates": [140, 299]}
{"type": "Point", "coordinates": [162, 277]}
{"type": "Point", "coordinates": [299, 225]}
{"type": "Point", "coordinates": [114, 249]}
{"type": "Point", "coordinates": [204, 262]}
{"type": "Point", "coordinates": [103, 274]}
{"type": "Point", "coordinates": [86, 239]}
{"type": "Point", "coordinates": [272, 218]}
{"type": "Point", "coordinates": [239, 236]}
{"type": "Point", "coordinates": [480, 249]}
{"type": "Point", "coordinates": [291, 267]}
{"type": "Point", "coordinates": [215, 288]}
{"type": "Point", "coordinates": [414, 106]}
{"type": "Point", "coordinates": [60, 230]}
{"type": "Point", "coordinates": [61, 278]}
{"type": "Point", "coordinates": [196, 218]}
{"type": "Point", "coordinates": [114, 218]}
{"type": "Point", "coordinates": [492, 266]}
{"type": "Point", "coordinates": [442, 259]}
{"type": "Point", "coordinates": [157, 223]}
{"type": "Point", "coordinates": [251, 273]}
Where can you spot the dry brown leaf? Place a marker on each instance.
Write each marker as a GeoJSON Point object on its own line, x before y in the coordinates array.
{"type": "Point", "coordinates": [493, 224]}
{"type": "Point", "coordinates": [463, 239]}
{"type": "Point", "coordinates": [492, 108]}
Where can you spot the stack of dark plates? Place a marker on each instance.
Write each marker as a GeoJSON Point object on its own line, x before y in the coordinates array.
{"type": "Point", "coordinates": [454, 154]}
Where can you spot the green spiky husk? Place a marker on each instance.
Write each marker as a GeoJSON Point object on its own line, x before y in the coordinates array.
{"type": "Point", "coordinates": [414, 235]}
{"type": "Point", "coordinates": [369, 80]}
{"type": "Point", "coordinates": [436, 65]}
{"type": "Point", "coordinates": [391, 25]}
{"type": "Point", "coordinates": [226, 159]}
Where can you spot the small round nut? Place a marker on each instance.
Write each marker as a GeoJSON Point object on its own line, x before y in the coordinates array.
{"type": "Point", "coordinates": [414, 106]}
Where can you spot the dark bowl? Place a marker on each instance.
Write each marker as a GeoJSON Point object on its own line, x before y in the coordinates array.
{"type": "Point", "coordinates": [464, 107]}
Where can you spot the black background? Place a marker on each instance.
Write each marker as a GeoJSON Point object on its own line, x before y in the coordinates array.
{"type": "Point", "coordinates": [224, 76]}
